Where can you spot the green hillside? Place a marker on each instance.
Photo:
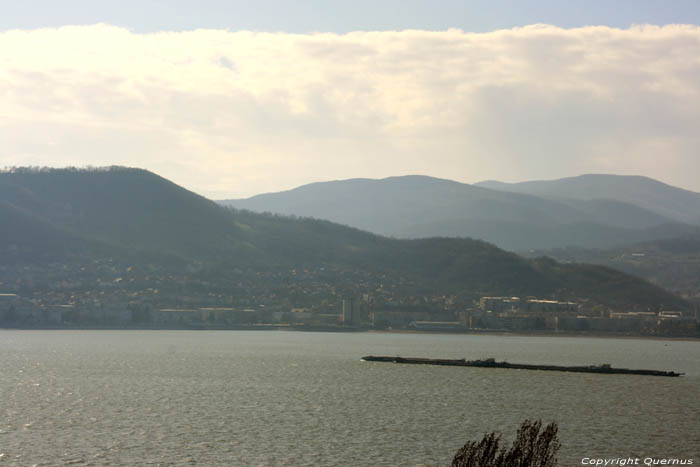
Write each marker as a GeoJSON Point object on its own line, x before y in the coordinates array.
{"type": "Point", "coordinates": [33, 237]}
{"type": "Point", "coordinates": [124, 207]}
{"type": "Point", "coordinates": [145, 233]}
{"type": "Point", "coordinates": [673, 264]}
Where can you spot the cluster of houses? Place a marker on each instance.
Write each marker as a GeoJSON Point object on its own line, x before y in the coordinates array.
{"type": "Point", "coordinates": [514, 313]}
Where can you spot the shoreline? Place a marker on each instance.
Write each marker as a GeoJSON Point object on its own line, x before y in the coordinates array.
{"type": "Point", "coordinates": [542, 334]}
{"type": "Point", "coordinates": [276, 327]}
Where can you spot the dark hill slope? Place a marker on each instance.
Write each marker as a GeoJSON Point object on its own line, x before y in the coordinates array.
{"type": "Point", "coordinates": [124, 207]}
{"type": "Point", "coordinates": [33, 237]}
{"type": "Point", "coordinates": [130, 212]}
{"type": "Point", "coordinates": [672, 263]}
{"type": "Point", "coordinates": [455, 263]}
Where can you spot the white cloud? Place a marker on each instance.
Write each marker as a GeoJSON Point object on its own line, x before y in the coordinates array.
{"type": "Point", "coordinates": [237, 113]}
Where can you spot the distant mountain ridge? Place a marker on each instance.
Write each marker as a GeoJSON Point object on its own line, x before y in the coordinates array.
{"type": "Point", "coordinates": [655, 196]}
{"type": "Point", "coordinates": [421, 206]}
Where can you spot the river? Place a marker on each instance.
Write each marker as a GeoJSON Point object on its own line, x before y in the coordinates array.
{"type": "Point", "coordinates": [258, 398]}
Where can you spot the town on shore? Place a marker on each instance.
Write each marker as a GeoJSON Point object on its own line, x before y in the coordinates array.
{"type": "Point", "coordinates": [507, 314]}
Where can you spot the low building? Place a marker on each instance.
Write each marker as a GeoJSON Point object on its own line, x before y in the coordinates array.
{"type": "Point", "coordinates": [115, 314]}
{"type": "Point", "coordinates": [350, 312]}
{"type": "Point", "coordinates": [499, 304]}
{"type": "Point", "coordinates": [176, 316]}
{"type": "Point", "coordinates": [402, 319]}
{"type": "Point", "coordinates": [670, 315]}
{"type": "Point", "coordinates": [549, 306]}
{"type": "Point", "coordinates": [437, 326]}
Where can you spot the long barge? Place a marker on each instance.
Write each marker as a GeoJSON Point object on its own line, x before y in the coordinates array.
{"type": "Point", "coordinates": [492, 363]}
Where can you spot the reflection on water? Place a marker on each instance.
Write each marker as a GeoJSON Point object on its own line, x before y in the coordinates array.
{"type": "Point", "coordinates": [291, 398]}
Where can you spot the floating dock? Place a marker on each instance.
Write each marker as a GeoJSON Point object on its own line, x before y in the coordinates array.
{"type": "Point", "coordinates": [492, 363]}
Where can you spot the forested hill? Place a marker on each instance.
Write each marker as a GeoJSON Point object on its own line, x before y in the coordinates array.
{"type": "Point", "coordinates": [124, 207]}
{"type": "Point", "coordinates": [673, 264]}
{"type": "Point", "coordinates": [133, 220]}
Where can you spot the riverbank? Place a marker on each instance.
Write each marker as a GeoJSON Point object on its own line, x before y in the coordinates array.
{"type": "Point", "coordinates": [347, 329]}
{"type": "Point", "coordinates": [503, 333]}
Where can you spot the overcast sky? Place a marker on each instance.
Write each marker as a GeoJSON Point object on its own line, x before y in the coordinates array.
{"type": "Point", "coordinates": [230, 100]}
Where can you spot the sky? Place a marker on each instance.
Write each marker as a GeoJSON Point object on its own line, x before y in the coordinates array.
{"type": "Point", "coordinates": [230, 100]}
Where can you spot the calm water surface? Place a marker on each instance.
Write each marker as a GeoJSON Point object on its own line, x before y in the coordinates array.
{"type": "Point", "coordinates": [293, 398]}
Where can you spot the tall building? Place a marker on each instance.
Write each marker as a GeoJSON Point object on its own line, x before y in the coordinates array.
{"type": "Point", "coordinates": [350, 312]}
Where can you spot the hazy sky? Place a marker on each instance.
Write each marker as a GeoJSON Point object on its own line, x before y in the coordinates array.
{"type": "Point", "coordinates": [231, 100]}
